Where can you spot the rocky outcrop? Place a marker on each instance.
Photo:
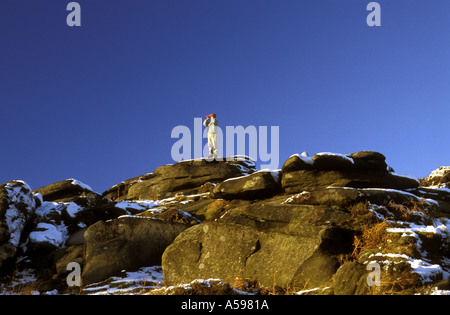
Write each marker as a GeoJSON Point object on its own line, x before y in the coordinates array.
{"type": "Point", "coordinates": [347, 196]}
{"type": "Point", "coordinates": [350, 279]}
{"type": "Point", "coordinates": [45, 235]}
{"type": "Point", "coordinates": [120, 191]}
{"type": "Point", "coordinates": [363, 160]}
{"type": "Point", "coordinates": [56, 222]}
{"type": "Point", "coordinates": [267, 240]}
{"type": "Point", "coordinates": [439, 178]}
{"type": "Point", "coordinates": [128, 242]}
{"type": "Point", "coordinates": [436, 186]}
{"type": "Point", "coordinates": [184, 177]}
{"type": "Point", "coordinates": [315, 225]}
{"type": "Point", "coordinates": [63, 191]}
{"type": "Point", "coordinates": [17, 206]}
{"type": "Point", "coordinates": [297, 163]}
{"type": "Point", "coordinates": [364, 169]}
{"type": "Point", "coordinates": [298, 181]}
{"type": "Point", "coordinates": [299, 238]}
{"type": "Point", "coordinates": [259, 185]}
{"type": "Point", "coordinates": [369, 160]}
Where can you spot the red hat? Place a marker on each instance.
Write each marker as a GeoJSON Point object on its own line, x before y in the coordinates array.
{"type": "Point", "coordinates": [214, 115]}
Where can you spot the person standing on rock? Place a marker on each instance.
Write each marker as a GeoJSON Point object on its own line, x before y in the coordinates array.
{"type": "Point", "coordinates": [211, 123]}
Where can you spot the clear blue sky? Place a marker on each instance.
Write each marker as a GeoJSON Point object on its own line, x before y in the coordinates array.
{"type": "Point", "coordinates": [98, 102]}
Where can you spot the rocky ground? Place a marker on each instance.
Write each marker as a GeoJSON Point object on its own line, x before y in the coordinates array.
{"type": "Point", "coordinates": [327, 224]}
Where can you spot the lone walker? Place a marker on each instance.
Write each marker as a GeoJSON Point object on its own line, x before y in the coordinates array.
{"type": "Point", "coordinates": [211, 123]}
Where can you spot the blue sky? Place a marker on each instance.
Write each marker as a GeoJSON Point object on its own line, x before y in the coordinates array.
{"type": "Point", "coordinates": [98, 102]}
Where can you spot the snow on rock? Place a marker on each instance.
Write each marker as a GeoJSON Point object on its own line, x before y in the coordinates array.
{"type": "Point", "coordinates": [72, 209]}
{"type": "Point", "coordinates": [25, 277]}
{"type": "Point", "coordinates": [80, 184]}
{"type": "Point", "coordinates": [439, 227]}
{"type": "Point", "coordinates": [276, 174]}
{"type": "Point", "coordinates": [49, 210]}
{"type": "Point", "coordinates": [138, 205]}
{"type": "Point", "coordinates": [15, 218]}
{"type": "Point", "coordinates": [55, 235]}
{"type": "Point", "coordinates": [429, 268]}
{"type": "Point", "coordinates": [418, 241]}
{"type": "Point", "coordinates": [55, 221]}
{"type": "Point", "coordinates": [200, 286]}
{"type": "Point", "coordinates": [427, 271]}
{"type": "Point", "coordinates": [64, 191]}
{"type": "Point", "coordinates": [439, 178]}
{"type": "Point", "coordinates": [133, 282]}
{"type": "Point", "coordinates": [17, 205]}
{"type": "Point", "coordinates": [304, 157]}
{"type": "Point", "coordinates": [50, 228]}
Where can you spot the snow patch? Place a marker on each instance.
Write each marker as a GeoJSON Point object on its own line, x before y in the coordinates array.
{"type": "Point", "coordinates": [49, 233]}
{"type": "Point", "coordinates": [427, 272]}
{"type": "Point", "coordinates": [306, 159]}
{"type": "Point", "coordinates": [72, 209]}
{"type": "Point", "coordinates": [132, 282]}
{"type": "Point", "coordinates": [15, 219]}
{"type": "Point", "coordinates": [80, 184]}
{"type": "Point", "coordinates": [138, 205]}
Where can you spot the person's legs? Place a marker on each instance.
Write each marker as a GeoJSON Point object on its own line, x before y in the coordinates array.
{"type": "Point", "coordinates": [214, 143]}
{"type": "Point", "coordinates": [210, 143]}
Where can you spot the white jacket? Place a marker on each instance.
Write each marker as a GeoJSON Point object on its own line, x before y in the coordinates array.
{"type": "Point", "coordinates": [211, 123]}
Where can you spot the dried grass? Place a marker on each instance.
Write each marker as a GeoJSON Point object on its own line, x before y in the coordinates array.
{"type": "Point", "coordinates": [372, 237]}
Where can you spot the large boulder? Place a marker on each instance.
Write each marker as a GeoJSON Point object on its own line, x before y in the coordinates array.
{"type": "Point", "coordinates": [56, 222]}
{"type": "Point", "coordinates": [188, 176]}
{"type": "Point", "coordinates": [439, 178]}
{"type": "Point", "coordinates": [268, 241]}
{"type": "Point", "coordinates": [366, 160]}
{"type": "Point", "coordinates": [297, 162]}
{"type": "Point", "coordinates": [332, 161]}
{"type": "Point", "coordinates": [17, 206]}
{"type": "Point", "coordinates": [259, 185]}
{"type": "Point", "coordinates": [360, 169]}
{"type": "Point", "coordinates": [128, 242]}
{"type": "Point", "coordinates": [346, 196]}
{"type": "Point", "coordinates": [350, 279]}
{"type": "Point", "coordinates": [120, 190]}
{"type": "Point", "coordinates": [369, 160]}
{"type": "Point", "coordinates": [57, 226]}
{"type": "Point", "coordinates": [63, 191]}
{"type": "Point", "coordinates": [209, 250]}
{"type": "Point", "coordinates": [309, 180]}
